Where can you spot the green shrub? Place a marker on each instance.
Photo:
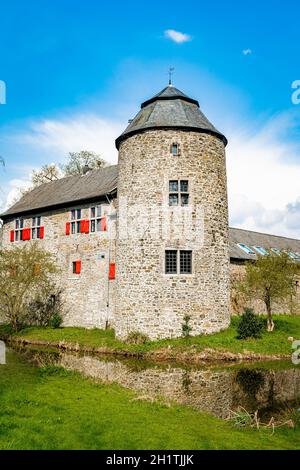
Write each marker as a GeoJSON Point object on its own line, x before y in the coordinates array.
{"type": "Point", "coordinates": [250, 325]}
{"type": "Point", "coordinates": [186, 327]}
{"type": "Point", "coordinates": [136, 337]}
{"type": "Point", "coordinates": [56, 320]}
{"type": "Point", "coordinates": [44, 310]}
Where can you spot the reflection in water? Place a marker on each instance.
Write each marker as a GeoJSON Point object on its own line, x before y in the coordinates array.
{"type": "Point", "coordinates": [215, 390]}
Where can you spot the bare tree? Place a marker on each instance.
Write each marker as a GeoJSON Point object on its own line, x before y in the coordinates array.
{"type": "Point", "coordinates": [80, 162]}
{"type": "Point", "coordinates": [45, 174]}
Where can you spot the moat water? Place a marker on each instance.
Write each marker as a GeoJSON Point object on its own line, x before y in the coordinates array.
{"type": "Point", "coordinates": [271, 388]}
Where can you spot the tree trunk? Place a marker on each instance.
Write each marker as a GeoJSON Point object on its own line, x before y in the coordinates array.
{"type": "Point", "coordinates": [270, 323]}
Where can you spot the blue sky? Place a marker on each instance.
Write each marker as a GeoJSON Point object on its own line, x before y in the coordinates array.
{"type": "Point", "coordinates": [76, 71]}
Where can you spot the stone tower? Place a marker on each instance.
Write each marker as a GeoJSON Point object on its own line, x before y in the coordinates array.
{"type": "Point", "coordinates": [172, 257]}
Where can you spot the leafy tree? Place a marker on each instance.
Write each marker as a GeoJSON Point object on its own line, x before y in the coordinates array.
{"type": "Point", "coordinates": [80, 162]}
{"type": "Point", "coordinates": [271, 279]}
{"type": "Point", "coordinates": [26, 276]}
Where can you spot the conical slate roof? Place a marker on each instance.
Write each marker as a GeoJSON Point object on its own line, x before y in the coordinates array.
{"type": "Point", "coordinates": [170, 109]}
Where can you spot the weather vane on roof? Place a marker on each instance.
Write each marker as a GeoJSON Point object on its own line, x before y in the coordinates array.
{"type": "Point", "coordinates": [171, 72]}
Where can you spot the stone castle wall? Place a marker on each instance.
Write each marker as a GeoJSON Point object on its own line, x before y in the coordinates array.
{"type": "Point", "coordinates": [148, 300]}
{"type": "Point", "coordinates": [88, 297]}
{"type": "Point", "coordinates": [238, 301]}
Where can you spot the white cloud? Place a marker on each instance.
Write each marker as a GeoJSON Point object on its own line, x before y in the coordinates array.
{"type": "Point", "coordinates": [247, 51]}
{"type": "Point", "coordinates": [263, 178]}
{"type": "Point", "coordinates": [176, 36]}
{"type": "Point", "coordinates": [12, 191]}
{"type": "Point", "coordinates": [79, 132]}
{"type": "Point", "coordinates": [50, 140]}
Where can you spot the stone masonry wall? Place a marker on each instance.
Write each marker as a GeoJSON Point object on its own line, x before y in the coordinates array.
{"type": "Point", "coordinates": [88, 297]}
{"type": "Point", "coordinates": [148, 300]}
{"type": "Point", "coordinates": [238, 302]}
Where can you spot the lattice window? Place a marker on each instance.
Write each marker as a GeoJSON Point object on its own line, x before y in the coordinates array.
{"type": "Point", "coordinates": [171, 262]}
{"type": "Point", "coordinates": [185, 262]}
{"type": "Point", "coordinates": [178, 262]}
{"type": "Point", "coordinates": [178, 192]}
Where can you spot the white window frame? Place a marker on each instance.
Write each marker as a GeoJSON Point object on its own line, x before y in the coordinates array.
{"type": "Point", "coordinates": [36, 223]}
{"type": "Point", "coordinates": [75, 221]}
{"type": "Point", "coordinates": [179, 193]}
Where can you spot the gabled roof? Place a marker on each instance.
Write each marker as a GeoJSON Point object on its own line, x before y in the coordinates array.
{"type": "Point", "coordinates": [259, 239]}
{"type": "Point", "coordinates": [170, 109]}
{"type": "Point", "coordinates": [67, 190]}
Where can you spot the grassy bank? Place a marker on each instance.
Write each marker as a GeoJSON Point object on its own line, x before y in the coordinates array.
{"type": "Point", "coordinates": [275, 343]}
{"type": "Point", "coordinates": [54, 409]}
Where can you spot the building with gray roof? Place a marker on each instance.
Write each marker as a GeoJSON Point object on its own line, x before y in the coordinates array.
{"type": "Point", "coordinates": [146, 278]}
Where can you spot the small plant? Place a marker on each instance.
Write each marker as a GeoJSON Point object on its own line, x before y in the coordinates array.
{"type": "Point", "coordinates": [186, 327]}
{"type": "Point", "coordinates": [56, 320]}
{"type": "Point", "coordinates": [242, 418]}
{"type": "Point", "coordinates": [250, 325]}
{"type": "Point", "coordinates": [136, 337]}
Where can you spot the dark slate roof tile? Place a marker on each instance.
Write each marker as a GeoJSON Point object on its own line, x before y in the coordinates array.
{"type": "Point", "coordinates": [170, 109]}
{"type": "Point", "coordinates": [94, 184]}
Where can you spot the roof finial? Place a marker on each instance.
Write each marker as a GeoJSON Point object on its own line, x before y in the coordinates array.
{"type": "Point", "coordinates": [171, 71]}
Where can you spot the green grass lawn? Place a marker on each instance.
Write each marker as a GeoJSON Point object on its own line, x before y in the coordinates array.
{"type": "Point", "coordinates": [55, 409]}
{"type": "Point", "coordinates": [271, 343]}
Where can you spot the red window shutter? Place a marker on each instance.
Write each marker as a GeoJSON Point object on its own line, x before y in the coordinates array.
{"type": "Point", "coordinates": [112, 271]}
{"type": "Point", "coordinates": [68, 225]}
{"type": "Point", "coordinates": [42, 232]}
{"type": "Point", "coordinates": [26, 234]}
{"type": "Point", "coordinates": [103, 224]}
{"type": "Point", "coordinates": [78, 267]}
{"type": "Point", "coordinates": [84, 226]}
{"type": "Point", "coordinates": [12, 235]}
